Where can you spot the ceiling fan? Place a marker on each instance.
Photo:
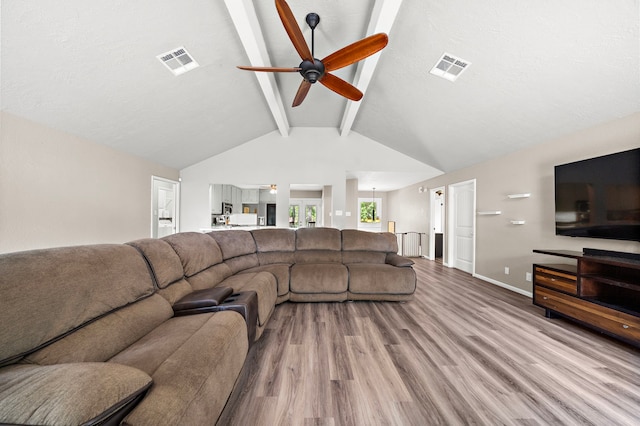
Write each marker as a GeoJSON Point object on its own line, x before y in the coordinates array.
{"type": "Point", "coordinates": [313, 69]}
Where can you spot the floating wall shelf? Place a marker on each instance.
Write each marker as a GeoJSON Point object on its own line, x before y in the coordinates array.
{"type": "Point", "coordinates": [489, 213]}
{"type": "Point", "coordinates": [525, 195]}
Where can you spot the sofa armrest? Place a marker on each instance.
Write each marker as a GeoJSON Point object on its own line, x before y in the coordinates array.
{"type": "Point", "coordinates": [202, 298]}
{"type": "Point", "coordinates": [397, 260]}
{"type": "Point", "coordinates": [88, 393]}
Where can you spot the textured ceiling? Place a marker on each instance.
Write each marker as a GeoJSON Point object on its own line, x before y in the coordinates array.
{"type": "Point", "coordinates": [539, 70]}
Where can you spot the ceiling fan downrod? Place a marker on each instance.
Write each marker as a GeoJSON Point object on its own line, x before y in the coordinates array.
{"type": "Point", "coordinates": [312, 71]}
{"type": "Point", "coordinates": [313, 19]}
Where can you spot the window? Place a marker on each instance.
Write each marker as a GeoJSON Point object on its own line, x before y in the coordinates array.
{"type": "Point", "coordinates": [310, 215]}
{"type": "Point", "coordinates": [369, 212]}
{"type": "Point", "coordinates": [294, 216]}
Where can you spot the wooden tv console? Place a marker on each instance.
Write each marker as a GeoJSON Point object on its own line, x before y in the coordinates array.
{"type": "Point", "coordinates": [602, 292]}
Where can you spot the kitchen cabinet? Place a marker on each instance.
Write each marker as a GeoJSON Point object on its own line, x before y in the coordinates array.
{"type": "Point", "coordinates": [237, 196]}
{"type": "Point", "coordinates": [227, 195]}
{"type": "Point", "coordinates": [250, 196]}
{"type": "Point", "coordinates": [215, 197]}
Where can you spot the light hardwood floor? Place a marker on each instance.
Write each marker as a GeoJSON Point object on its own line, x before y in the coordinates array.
{"type": "Point", "coordinates": [462, 352]}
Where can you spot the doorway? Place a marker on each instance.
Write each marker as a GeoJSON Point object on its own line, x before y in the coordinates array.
{"type": "Point", "coordinates": [305, 213]}
{"type": "Point", "coordinates": [437, 216]}
{"type": "Point", "coordinates": [271, 215]}
{"type": "Point", "coordinates": [461, 226]}
{"type": "Point", "coordinates": [165, 202]}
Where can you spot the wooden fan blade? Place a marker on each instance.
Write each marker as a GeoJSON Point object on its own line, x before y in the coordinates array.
{"type": "Point", "coordinates": [302, 93]}
{"type": "Point", "coordinates": [293, 30]}
{"type": "Point", "coordinates": [269, 69]}
{"type": "Point", "coordinates": [341, 87]}
{"type": "Point", "coordinates": [355, 52]}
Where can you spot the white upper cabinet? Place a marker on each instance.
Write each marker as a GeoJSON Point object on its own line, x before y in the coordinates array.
{"type": "Point", "coordinates": [250, 196]}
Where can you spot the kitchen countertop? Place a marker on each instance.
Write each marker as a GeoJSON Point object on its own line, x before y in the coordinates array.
{"type": "Point", "coordinates": [240, 227]}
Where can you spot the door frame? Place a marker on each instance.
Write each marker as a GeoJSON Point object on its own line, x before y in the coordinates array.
{"type": "Point", "coordinates": [451, 214]}
{"type": "Point", "coordinates": [154, 198]}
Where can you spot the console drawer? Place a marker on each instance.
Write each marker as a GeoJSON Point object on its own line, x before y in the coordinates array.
{"type": "Point", "coordinates": [551, 278]}
{"type": "Point", "coordinates": [609, 320]}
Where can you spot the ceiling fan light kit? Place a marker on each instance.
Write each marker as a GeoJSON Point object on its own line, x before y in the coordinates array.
{"type": "Point", "coordinates": [315, 70]}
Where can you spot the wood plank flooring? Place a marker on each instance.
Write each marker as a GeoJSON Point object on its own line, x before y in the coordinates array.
{"type": "Point", "coordinates": [462, 352]}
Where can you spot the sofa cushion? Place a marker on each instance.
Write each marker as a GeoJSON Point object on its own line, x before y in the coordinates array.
{"type": "Point", "coordinates": [363, 257]}
{"type": "Point", "coordinates": [318, 245]}
{"type": "Point", "coordinates": [194, 362]}
{"type": "Point", "coordinates": [238, 249]}
{"type": "Point", "coordinates": [318, 239]}
{"type": "Point", "coordinates": [234, 243]}
{"type": "Point", "coordinates": [367, 247]}
{"type": "Point", "coordinates": [355, 240]}
{"type": "Point", "coordinates": [69, 394]}
{"type": "Point", "coordinates": [397, 260]}
{"type": "Point", "coordinates": [210, 277]}
{"type": "Point", "coordinates": [381, 279]}
{"type": "Point", "coordinates": [163, 260]}
{"type": "Point", "coordinates": [51, 292]}
{"type": "Point", "coordinates": [197, 252]}
{"type": "Point", "coordinates": [282, 273]}
{"type": "Point", "coordinates": [166, 268]}
{"type": "Point", "coordinates": [241, 263]}
{"type": "Point", "coordinates": [319, 278]}
{"type": "Point", "coordinates": [263, 283]}
{"type": "Point", "coordinates": [103, 338]}
{"type": "Point", "coordinates": [275, 245]}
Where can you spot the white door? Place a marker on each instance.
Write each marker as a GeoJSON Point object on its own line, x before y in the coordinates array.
{"type": "Point", "coordinates": [462, 225]}
{"type": "Point", "coordinates": [164, 207]}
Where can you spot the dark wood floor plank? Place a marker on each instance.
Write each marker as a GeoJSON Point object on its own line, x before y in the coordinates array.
{"type": "Point", "coordinates": [462, 352]}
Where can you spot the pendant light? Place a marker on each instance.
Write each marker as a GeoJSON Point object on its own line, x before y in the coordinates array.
{"type": "Point", "coordinates": [373, 210]}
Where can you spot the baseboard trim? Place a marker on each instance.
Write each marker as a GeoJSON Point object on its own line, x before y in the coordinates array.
{"type": "Point", "coordinates": [503, 285]}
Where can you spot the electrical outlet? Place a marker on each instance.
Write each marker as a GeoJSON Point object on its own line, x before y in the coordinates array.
{"type": "Point", "coordinates": [506, 270]}
{"type": "Point", "coordinates": [527, 276]}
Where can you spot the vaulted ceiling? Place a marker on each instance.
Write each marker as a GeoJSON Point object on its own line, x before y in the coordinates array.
{"type": "Point", "coordinates": [538, 70]}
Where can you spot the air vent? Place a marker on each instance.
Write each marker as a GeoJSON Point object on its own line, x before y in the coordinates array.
{"type": "Point", "coordinates": [178, 61]}
{"type": "Point", "coordinates": [450, 67]}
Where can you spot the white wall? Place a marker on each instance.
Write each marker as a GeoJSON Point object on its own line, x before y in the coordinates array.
{"type": "Point", "coordinates": [57, 189]}
{"type": "Point", "coordinates": [308, 156]}
{"type": "Point", "coordinates": [498, 242]}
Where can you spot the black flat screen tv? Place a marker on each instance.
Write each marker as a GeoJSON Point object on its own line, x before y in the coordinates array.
{"type": "Point", "coordinates": [599, 197]}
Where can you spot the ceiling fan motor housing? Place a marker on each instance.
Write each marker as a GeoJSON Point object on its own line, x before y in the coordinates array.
{"type": "Point", "coordinates": [312, 71]}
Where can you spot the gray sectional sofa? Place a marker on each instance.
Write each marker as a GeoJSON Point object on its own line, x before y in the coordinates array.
{"type": "Point", "coordinates": [156, 331]}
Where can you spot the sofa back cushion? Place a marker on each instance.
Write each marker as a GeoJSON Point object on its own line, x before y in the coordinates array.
{"type": "Point", "coordinates": [275, 245]}
{"type": "Point", "coordinates": [166, 268]}
{"type": "Point", "coordinates": [367, 247]}
{"type": "Point", "coordinates": [318, 245]}
{"type": "Point", "coordinates": [201, 257]}
{"type": "Point", "coordinates": [100, 340]}
{"type": "Point", "coordinates": [48, 293]}
{"type": "Point", "coordinates": [197, 252]}
{"type": "Point", "coordinates": [238, 249]}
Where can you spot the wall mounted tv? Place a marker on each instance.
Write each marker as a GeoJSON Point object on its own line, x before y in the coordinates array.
{"type": "Point", "coordinates": [599, 197]}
